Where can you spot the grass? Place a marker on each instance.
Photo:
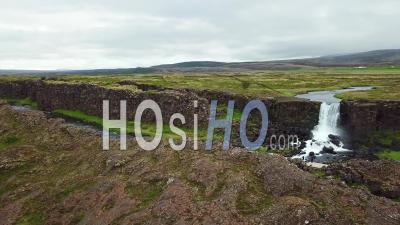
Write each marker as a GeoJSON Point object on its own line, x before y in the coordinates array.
{"type": "Point", "coordinates": [8, 141]}
{"type": "Point", "coordinates": [199, 188]}
{"type": "Point", "coordinates": [388, 154]}
{"type": "Point", "coordinates": [254, 200]}
{"type": "Point", "coordinates": [148, 128]}
{"type": "Point", "coordinates": [261, 150]}
{"type": "Point", "coordinates": [270, 83]}
{"type": "Point", "coordinates": [285, 84]}
{"type": "Point", "coordinates": [32, 218]}
{"type": "Point", "coordinates": [245, 206]}
{"type": "Point", "coordinates": [222, 110]}
{"type": "Point", "coordinates": [22, 102]}
{"type": "Point", "coordinates": [69, 189]}
{"type": "Point", "coordinates": [384, 139]}
{"type": "Point", "coordinates": [33, 214]}
{"type": "Point", "coordinates": [319, 173]}
{"type": "Point", "coordinates": [81, 116]}
{"type": "Point", "coordinates": [6, 174]}
{"type": "Point", "coordinates": [275, 83]}
{"type": "Point", "coordinates": [145, 193]}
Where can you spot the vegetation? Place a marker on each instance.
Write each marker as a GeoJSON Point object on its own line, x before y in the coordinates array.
{"type": "Point", "coordinates": [32, 218]}
{"type": "Point", "coordinates": [69, 175]}
{"type": "Point", "coordinates": [320, 173]}
{"type": "Point", "coordinates": [78, 115]}
{"type": "Point", "coordinates": [261, 150]}
{"type": "Point", "coordinates": [33, 213]}
{"type": "Point", "coordinates": [222, 112]}
{"type": "Point", "coordinates": [388, 154]}
{"type": "Point", "coordinates": [255, 200]}
{"type": "Point", "coordinates": [146, 194]}
{"type": "Point", "coordinates": [266, 83]}
{"type": "Point", "coordinates": [384, 139]}
{"type": "Point", "coordinates": [22, 102]}
{"type": "Point", "coordinates": [287, 152]}
{"type": "Point", "coordinates": [9, 140]}
{"type": "Point", "coordinates": [285, 83]}
{"type": "Point", "coordinates": [148, 128]}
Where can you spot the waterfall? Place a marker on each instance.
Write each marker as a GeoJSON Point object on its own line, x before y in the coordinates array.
{"type": "Point", "coordinates": [328, 122]}
{"type": "Point", "coordinates": [329, 115]}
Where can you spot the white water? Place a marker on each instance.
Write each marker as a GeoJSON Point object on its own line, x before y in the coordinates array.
{"type": "Point", "coordinates": [327, 124]}
{"type": "Point", "coordinates": [328, 121]}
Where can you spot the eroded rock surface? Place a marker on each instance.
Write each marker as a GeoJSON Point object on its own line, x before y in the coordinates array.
{"type": "Point", "coordinates": [382, 177]}
{"type": "Point", "coordinates": [55, 173]}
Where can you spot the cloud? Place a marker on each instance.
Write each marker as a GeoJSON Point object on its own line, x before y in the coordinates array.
{"type": "Point", "coordinates": [113, 34]}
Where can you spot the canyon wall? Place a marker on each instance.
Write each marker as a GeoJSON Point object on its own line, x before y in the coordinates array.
{"type": "Point", "coordinates": [286, 116]}
{"type": "Point", "coordinates": [362, 119]}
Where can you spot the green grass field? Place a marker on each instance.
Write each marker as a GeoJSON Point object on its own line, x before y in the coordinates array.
{"type": "Point", "coordinates": [386, 81]}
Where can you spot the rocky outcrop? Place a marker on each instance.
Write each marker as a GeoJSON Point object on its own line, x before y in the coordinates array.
{"type": "Point", "coordinates": [363, 118]}
{"type": "Point", "coordinates": [382, 177]}
{"type": "Point", "coordinates": [58, 174]}
{"type": "Point", "coordinates": [290, 116]}
{"type": "Point", "coordinates": [89, 98]}
{"type": "Point", "coordinates": [286, 116]}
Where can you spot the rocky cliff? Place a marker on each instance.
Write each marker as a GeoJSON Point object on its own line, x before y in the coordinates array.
{"type": "Point", "coordinates": [364, 119]}
{"type": "Point", "coordinates": [286, 116]}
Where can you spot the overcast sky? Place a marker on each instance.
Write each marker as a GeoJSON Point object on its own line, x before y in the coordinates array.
{"type": "Point", "coordinates": [77, 34]}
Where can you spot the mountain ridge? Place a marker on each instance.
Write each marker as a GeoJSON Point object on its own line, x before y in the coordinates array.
{"type": "Point", "coordinates": [368, 58]}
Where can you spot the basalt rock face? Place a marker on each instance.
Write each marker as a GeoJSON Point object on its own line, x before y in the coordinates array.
{"type": "Point", "coordinates": [363, 118]}
{"type": "Point", "coordinates": [89, 99]}
{"type": "Point", "coordinates": [293, 117]}
{"type": "Point", "coordinates": [286, 117]}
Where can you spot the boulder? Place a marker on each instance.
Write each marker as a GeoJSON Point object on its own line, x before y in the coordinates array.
{"type": "Point", "coordinates": [328, 150]}
{"type": "Point", "coordinates": [335, 139]}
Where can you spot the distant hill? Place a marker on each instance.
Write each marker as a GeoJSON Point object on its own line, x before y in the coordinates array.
{"type": "Point", "coordinates": [138, 70]}
{"type": "Point", "coordinates": [378, 57]}
{"type": "Point", "coordinates": [192, 64]}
